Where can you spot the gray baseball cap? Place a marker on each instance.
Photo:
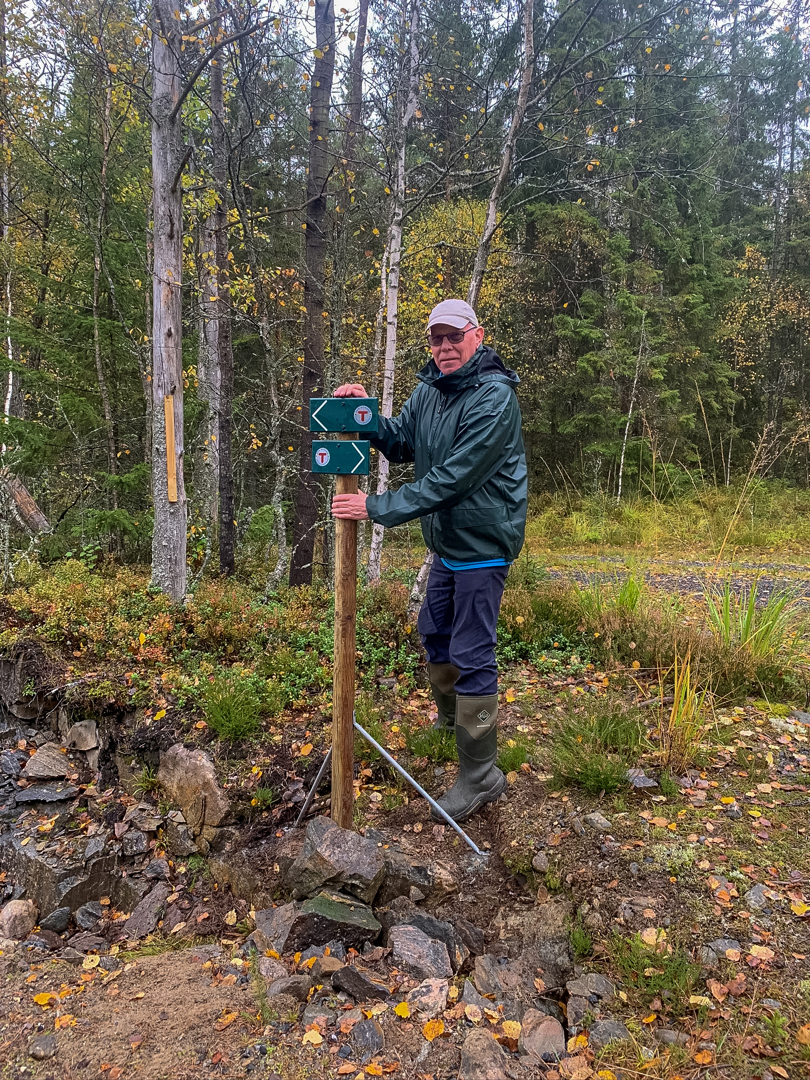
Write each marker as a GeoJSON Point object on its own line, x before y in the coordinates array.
{"type": "Point", "coordinates": [452, 313]}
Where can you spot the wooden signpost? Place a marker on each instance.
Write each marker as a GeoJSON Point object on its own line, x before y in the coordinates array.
{"type": "Point", "coordinates": [346, 457]}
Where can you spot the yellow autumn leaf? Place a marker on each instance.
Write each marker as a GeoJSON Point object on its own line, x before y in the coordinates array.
{"type": "Point", "coordinates": [225, 1020]}
{"type": "Point", "coordinates": [142, 638]}
{"type": "Point", "coordinates": [160, 714]}
{"type": "Point", "coordinates": [90, 962]}
{"type": "Point", "coordinates": [762, 952]}
{"type": "Point", "coordinates": [473, 1014]}
{"type": "Point", "coordinates": [700, 1001]}
{"type": "Point", "coordinates": [68, 1020]}
{"type": "Point", "coordinates": [230, 918]}
{"type": "Point", "coordinates": [803, 1035]}
{"type": "Point", "coordinates": [403, 1010]}
{"type": "Point", "coordinates": [314, 1038]}
{"type": "Point", "coordinates": [432, 1029]}
{"type": "Point", "coordinates": [606, 1074]}
{"type": "Point", "coordinates": [651, 935]}
{"type": "Point", "coordinates": [703, 1057]}
{"type": "Point", "coordinates": [799, 907]}
{"type": "Point", "coordinates": [374, 1070]}
{"type": "Point", "coordinates": [306, 750]}
{"type": "Point", "coordinates": [727, 800]}
{"type": "Point", "coordinates": [512, 1029]}
{"type": "Point", "coordinates": [44, 999]}
{"type": "Point", "coordinates": [510, 695]}
{"type": "Point", "coordinates": [650, 1019]}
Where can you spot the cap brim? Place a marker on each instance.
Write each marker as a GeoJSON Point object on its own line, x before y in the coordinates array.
{"type": "Point", "coordinates": [459, 321]}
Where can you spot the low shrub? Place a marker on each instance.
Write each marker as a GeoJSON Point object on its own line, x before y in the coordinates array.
{"type": "Point", "coordinates": [232, 706]}
{"type": "Point", "coordinates": [594, 747]}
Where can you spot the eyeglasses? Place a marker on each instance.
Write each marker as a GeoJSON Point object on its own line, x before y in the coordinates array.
{"type": "Point", "coordinates": [455, 337]}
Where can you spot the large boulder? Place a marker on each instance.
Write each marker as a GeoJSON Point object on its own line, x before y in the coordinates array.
{"type": "Point", "coordinates": [403, 912]}
{"type": "Point", "coordinates": [189, 779]}
{"type": "Point", "coordinates": [147, 914]}
{"type": "Point", "coordinates": [336, 858]}
{"type": "Point", "coordinates": [413, 951]}
{"type": "Point", "coordinates": [17, 919]}
{"type": "Point", "coordinates": [404, 873]}
{"type": "Point", "coordinates": [47, 763]}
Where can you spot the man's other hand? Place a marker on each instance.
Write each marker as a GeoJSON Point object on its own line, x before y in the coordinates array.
{"type": "Point", "coordinates": [350, 507]}
{"type": "Point", "coordinates": [351, 389]}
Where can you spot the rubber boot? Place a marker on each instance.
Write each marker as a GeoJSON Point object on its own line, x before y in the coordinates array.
{"type": "Point", "coordinates": [479, 780]}
{"type": "Point", "coordinates": [442, 680]}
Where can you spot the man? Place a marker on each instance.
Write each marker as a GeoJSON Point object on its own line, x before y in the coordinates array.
{"type": "Point", "coordinates": [461, 428]}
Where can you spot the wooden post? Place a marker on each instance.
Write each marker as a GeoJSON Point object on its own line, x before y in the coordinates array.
{"type": "Point", "coordinates": [345, 661]}
{"type": "Point", "coordinates": [171, 449]}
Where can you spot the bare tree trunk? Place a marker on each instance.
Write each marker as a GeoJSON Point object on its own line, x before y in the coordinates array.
{"type": "Point", "coordinates": [420, 586]}
{"type": "Point", "coordinates": [407, 110]}
{"type": "Point", "coordinates": [103, 389]}
{"type": "Point", "coordinates": [25, 508]}
{"type": "Point", "coordinates": [498, 188]}
{"type": "Point", "coordinates": [630, 410]}
{"type": "Point", "coordinates": [306, 508]}
{"type": "Point", "coordinates": [5, 206]}
{"type": "Point", "coordinates": [169, 538]}
{"type": "Point", "coordinates": [208, 379]}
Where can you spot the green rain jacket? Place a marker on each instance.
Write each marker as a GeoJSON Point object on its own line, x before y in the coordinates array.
{"type": "Point", "coordinates": [462, 431]}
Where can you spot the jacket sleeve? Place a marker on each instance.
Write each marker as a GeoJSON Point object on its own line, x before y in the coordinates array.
{"type": "Point", "coordinates": [476, 456]}
{"type": "Point", "coordinates": [395, 437]}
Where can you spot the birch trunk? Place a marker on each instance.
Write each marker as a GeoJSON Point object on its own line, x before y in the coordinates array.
{"type": "Point", "coordinates": [306, 505]}
{"type": "Point", "coordinates": [407, 111]}
{"type": "Point", "coordinates": [630, 411]}
{"type": "Point", "coordinates": [498, 188]}
{"type": "Point", "coordinates": [101, 218]}
{"type": "Point", "coordinates": [169, 538]}
{"type": "Point", "coordinates": [5, 205]}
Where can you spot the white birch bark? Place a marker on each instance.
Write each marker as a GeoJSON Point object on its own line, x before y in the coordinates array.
{"type": "Point", "coordinates": [630, 410]}
{"type": "Point", "coordinates": [407, 111]}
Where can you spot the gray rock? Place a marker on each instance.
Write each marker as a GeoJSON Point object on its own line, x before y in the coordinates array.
{"type": "Point", "coordinates": [17, 919]}
{"type": "Point", "coordinates": [47, 793]}
{"type": "Point", "coordinates": [577, 1009]}
{"type": "Point", "coordinates": [540, 862]}
{"type": "Point", "coordinates": [414, 952]}
{"type": "Point", "coordinates": [189, 779]}
{"type": "Point", "coordinates": [482, 1058]}
{"type": "Point", "coordinates": [72, 956]}
{"type": "Point", "coordinates": [143, 816]}
{"type": "Point", "coordinates": [58, 920]}
{"type": "Point", "coordinates": [89, 915]}
{"type": "Point", "coordinates": [539, 937]}
{"type": "Point", "coordinates": [271, 969]}
{"type": "Point", "coordinates": [42, 1047]}
{"type": "Point", "coordinates": [470, 996]}
{"type": "Point", "coordinates": [327, 917]}
{"type": "Point", "coordinates": [707, 957]}
{"type": "Point", "coordinates": [158, 870]}
{"type": "Point", "coordinates": [178, 836]}
{"type": "Point", "coordinates": [772, 1003]}
{"type": "Point", "coordinates": [325, 967]}
{"type": "Point", "coordinates": [9, 763]}
{"type": "Point", "coordinates": [639, 779]}
{"type": "Point", "coordinates": [670, 1037]}
{"type": "Point", "coordinates": [577, 825]}
{"type": "Point", "coordinates": [337, 858]}
{"type": "Point", "coordinates": [109, 963]}
{"type": "Point", "coordinates": [47, 763]}
{"type": "Point", "coordinates": [294, 986]}
{"type": "Point", "coordinates": [368, 1040]}
{"type": "Point", "coordinates": [592, 983]}
{"type": "Point", "coordinates": [45, 939]}
{"type": "Point", "coordinates": [358, 986]}
{"type": "Point", "coordinates": [721, 946]}
{"type": "Point", "coordinates": [403, 912]}
{"type": "Point", "coordinates": [541, 1037]}
{"type": "Point", "coordinates": [146, 915]}
{"type": "Point", "coordinates": [429, 998]}
{"type": "Point", "coordinates": [604, 1032]}
{"type": "Point", "coordinates": [82, 735]}
{"type": "Point", "coordinates": [134, 843]}
{"type": "Point", "coordinates": [86, 942]}
{"type": "Point", "coordinates": [318, 1012]}
{"type": "Point", "coordinates": [598, 822]}
{"type": "Point", "coordinates": [756, 899]}
{"type": "Point", "coordinates": [403, 873]}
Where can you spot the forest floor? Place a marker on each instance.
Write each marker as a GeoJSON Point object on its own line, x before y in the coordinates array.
{"type": "Point", "coordinates": [693, 897]}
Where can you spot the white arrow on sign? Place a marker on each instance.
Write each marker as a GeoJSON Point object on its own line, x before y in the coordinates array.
{"type": "Point", "coordinates": [361, 455]}
{"type": "Point", "coordinates": [315, 414]}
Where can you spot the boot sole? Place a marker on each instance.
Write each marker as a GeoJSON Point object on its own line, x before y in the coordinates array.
{"type": "Point", "coordinates": [482, 800]}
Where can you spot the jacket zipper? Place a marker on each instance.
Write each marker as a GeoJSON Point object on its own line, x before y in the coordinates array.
{"type": "Point", "coordinates": [442, 403]}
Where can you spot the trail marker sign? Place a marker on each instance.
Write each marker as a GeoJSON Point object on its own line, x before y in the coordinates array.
{"type": "Point", "coordinates": [343, 414]}
{"type": "Point", "coordinates": [340, 457]}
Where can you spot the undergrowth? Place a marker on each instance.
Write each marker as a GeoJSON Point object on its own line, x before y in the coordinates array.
{"type": "Point", "coordinates": [594, 746]}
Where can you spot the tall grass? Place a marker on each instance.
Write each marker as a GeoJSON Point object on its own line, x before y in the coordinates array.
{"type": "Point", "coordinates": [683, 728]}
{"type": "Point", "coordinates": [762, 632]}
{"type": "Point", "coordinates": [593, 748]}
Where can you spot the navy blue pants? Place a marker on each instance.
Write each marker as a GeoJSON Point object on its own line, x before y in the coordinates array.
{"type": "Point", "coordinates": [458, 623]}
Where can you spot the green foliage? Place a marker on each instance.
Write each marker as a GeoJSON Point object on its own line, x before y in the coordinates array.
{"type": "Point", "coordinates": [264, 797]}
{"type": "Point", "coordinates": [427, 742]}
{"type": "Point", "coordinates": [514, 752]}
{"type": "Point", "coordinates": [147, 782]}
{"type": "Point", "coordinates": [663, 970]}
{"type": "Point", "coordinates": [594, 746]}
{"type": "Point", "coordinates": [580, 940]}
{"type": "Point", "coordinates": [232, 706]}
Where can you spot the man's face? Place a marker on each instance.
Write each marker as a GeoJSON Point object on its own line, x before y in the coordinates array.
{"type": "Point", "coordinates": [450, 357]}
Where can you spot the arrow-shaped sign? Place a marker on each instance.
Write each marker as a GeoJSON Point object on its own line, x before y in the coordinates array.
{"type": "Point", "coordinates": [343, 414]}
{"type": "Point", "coordinates": [314, 416]}
{"type": "Point", "coordinates": [340, 458]}
{"type": "Point", "coordinates": [363, 456]}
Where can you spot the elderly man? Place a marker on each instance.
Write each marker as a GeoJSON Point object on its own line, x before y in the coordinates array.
{"type": "Point", "coordinates": [461, 428]}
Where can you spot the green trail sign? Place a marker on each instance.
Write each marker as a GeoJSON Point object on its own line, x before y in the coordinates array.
{"type": "Point", "coordinates": [343, 414]}
{"type": "Point", "coordinates": [340, 457]}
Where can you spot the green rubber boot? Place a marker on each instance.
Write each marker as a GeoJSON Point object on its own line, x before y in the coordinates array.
{"type": "Point", "coordinates": [442, 680]}
{"type": "Point", "coordinates": [480, 781]}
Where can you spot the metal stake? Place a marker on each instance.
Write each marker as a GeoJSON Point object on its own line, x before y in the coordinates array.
{"type": "Point", "coordinates": [396, 765]}
{"type": "Point", "coordinates": [314, 788]}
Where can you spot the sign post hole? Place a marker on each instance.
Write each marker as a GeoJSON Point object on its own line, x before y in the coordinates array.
{"type": "Point", "coordinates": [347, 459]}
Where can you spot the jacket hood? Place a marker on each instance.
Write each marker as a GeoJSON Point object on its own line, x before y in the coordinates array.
{"type": "Point", "coordinates": [483, 366]}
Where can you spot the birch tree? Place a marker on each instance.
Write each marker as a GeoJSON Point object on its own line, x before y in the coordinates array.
{"type": "Point", "coordinates": [407, 100]}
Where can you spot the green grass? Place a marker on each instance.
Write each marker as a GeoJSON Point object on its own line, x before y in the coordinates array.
{"type": "Point", "coordinates": [147, 782]}
{"type": "Point", "coordinates": [232, 707]}
{"type": "Point", "coordinates": [594, 748]}
{"type": "Point", "coordinates": [647, 972]}
{"type": "Point", "coordinates": [514, 752]}
{"type": "Point", "coordinates": [580, 940]}
{"type": "Point", "coordinates": [764, 633]}
{"type": "Point", "coordinates": [437, 746]}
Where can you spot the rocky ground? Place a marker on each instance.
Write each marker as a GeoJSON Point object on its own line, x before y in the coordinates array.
{"type": "Point", "coordinates": [160, 921]}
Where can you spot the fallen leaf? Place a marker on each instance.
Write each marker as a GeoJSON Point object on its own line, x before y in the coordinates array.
{"type": "Point", "coordinates": [780, 1071]}
{"type": "Point", "coordinates": [659, 822]}
{"type": "Point", "coordinates": [306, 750]}
{"type": "Point", "coordinates": [374, 1070]}
{"type": "Point", "coordinates": [650, 1019]}
{"type": "Point", "coordinates": [225, 1020]}
{"type": "Point", "coordinates": [68, 1020]}
{"type": "Point", "coordinates": [403, 1010]}
{"type": "Point", "coordinates": [762, 952]}
{"type": "Point", "coordinates": [178, 928]}
{"type": "Point", "coordinates": [652, 935]}
{"type": "Point", "coordinates": [511, 1029]}
{"type": "Point", "coordinates": [344, 1070]}
{"type": "Point", "coordinates": [539, 985]}
{"type": "Point", "coordinates": [733, 954]}
{"type": "Point", "coordinates": [314, 1038]}
{"type": "Point", "coordinates": [800, 908]}
{"type": "Point", "coordinates": [511, 777]}
{"type": "Point", "coordinates": [473, 1014]}
{"type": "Point", "coordinates": [703, 1057]}
{"type": "Point", "coordinates": [432, 1029]}
{"type": "Point", "coordinates": [115, 1072]}
{"type": "Point", "coordinates": [803, 1035]}
{"type": "Point", "coordinates": [44, 999]}
{"type": "Point", "coordinates": [717, 989]}
{"type": "Point", "coordinates": [700, 1000]}
{"type": "Point", "coordinates": [230, 918]}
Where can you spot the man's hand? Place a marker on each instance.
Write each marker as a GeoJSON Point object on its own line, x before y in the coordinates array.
{"type": "Point", "coordinates": [350, 389]}
{"type": "Point", "coordinates": [350, 507]}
